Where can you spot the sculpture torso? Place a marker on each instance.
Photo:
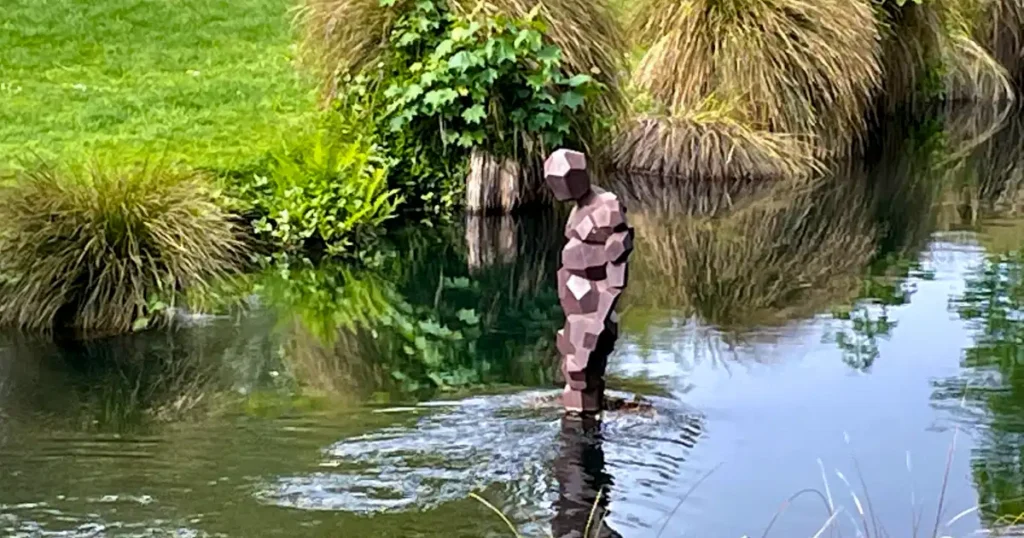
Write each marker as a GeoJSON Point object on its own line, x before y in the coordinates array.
{"type": "Point", "coordinates": [590, 281]}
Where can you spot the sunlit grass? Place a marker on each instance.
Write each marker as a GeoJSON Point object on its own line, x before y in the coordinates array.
{"type": "Point", "coordinates": [210, 83]}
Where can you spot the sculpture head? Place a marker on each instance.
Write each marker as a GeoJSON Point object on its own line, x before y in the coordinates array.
{"type": "Point", "coordinates": [565, 172]}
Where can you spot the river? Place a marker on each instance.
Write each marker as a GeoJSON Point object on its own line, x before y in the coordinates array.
{"type": "Point", "coordinates": [837, 353]}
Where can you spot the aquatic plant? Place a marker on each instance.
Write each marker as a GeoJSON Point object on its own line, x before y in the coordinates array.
{"type": "Point", "coordinates": [807, 68]}
{"type": "Point", "coordinates": [96, 249]}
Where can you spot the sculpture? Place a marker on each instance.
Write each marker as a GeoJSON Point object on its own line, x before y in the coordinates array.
{"type": "Point", "coordinates": [590, 281]}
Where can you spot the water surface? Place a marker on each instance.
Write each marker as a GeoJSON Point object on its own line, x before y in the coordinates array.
{"type": "Point", "coordinates": [851, 341]}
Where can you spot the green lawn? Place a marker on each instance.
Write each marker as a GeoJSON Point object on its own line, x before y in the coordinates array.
{"type": "Point", "coordinates": [207, 82]}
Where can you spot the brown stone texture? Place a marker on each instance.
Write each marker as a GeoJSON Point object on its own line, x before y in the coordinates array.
{"type": "Point", "coordinates": [566, 174]}
{"type": "Point", "coordinates": [591, 279]}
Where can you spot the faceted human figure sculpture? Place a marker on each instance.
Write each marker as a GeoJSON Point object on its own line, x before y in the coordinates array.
{"type": "Point", "coordinates": [591, 279]}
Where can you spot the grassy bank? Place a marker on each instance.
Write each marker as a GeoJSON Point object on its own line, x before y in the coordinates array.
{"type": "Point", "coordinates": [207, 82]}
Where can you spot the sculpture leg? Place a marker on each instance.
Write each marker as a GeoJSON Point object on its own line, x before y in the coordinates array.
{"type": "Point", "coordinates": [584, 391]}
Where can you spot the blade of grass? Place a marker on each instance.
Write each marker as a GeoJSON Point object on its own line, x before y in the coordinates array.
{"type": "Point", "coordinates": [785, 505]}
{"type": "Point", "coordinates": [590, 518]}
{"type": "Point", "coordinates": [668, 518]}
{"type": "Point", "coordinates": [494, 509]}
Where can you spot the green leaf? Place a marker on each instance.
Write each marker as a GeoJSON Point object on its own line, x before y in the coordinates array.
{"type": "Point", "coordinates": [444, 48]}
{"type": "Point", "coordinates": [572, 100]}
{"type": "Point", "coordinates": [474, 114]}
{"type": "Point", "coordinates": [468, 316]}
{"type": "Point", "coordinates": [140, 324]}
{"type": "Point", "coordinates": [579, 80]}
{"type": "Point", "coordinates": [459, 283]}
{"type": "Point", "coordinates": [464, 34]}
{"type": "Point", "coordinates": [550, 53]}
{"type": "Point", "coordinates": [539, 121]}
{"type": "Point", "coordinates": [437, 98]}
{"type": "Point", "coordinates": [462, 61]}
{"type": "Point", "coordinates": [413, 92]}
{"type": "Point", "coordinates": [408, 38]}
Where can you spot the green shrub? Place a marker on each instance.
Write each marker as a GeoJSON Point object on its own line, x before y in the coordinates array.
{"type": "Point", "coordinates": [101, 250]}
{"type": "Point", "coordinates": [448, 81]}
{"type": "Point", "coordinates": [328, 196]}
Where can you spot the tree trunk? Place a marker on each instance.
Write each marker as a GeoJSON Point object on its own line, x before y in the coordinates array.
{"type": "Point", "coordinates": [490, 241]}
{"type": "Point", "coordinates": [493, 184]}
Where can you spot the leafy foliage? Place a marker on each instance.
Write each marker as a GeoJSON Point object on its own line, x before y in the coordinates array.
{"type": "Point", "coordinates": [481, 78]}
{"type": "Point", "coordinates": [96, 250]}
{"type": "Point", "coordinates": [326, 196]}
{"type": "Point", "coordinates": [450, 81]}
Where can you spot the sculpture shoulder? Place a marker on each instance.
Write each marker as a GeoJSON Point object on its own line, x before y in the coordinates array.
{"type": "Point", "coordinates": [597, 219]}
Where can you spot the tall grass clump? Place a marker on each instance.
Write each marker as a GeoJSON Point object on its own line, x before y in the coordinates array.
{"type": "Point", "coordinates": [1000, 29]}
{"type": "Point", "coordinates": [807, 68]}
{"type": "Point", "coordinates": [101, 249]}
{"type": "Point", "coordinates": [705, 154]}
{"type": "Point", "coordinates": [940, 51]}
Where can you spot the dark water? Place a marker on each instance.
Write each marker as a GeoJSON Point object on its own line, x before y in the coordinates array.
{"type": "Point", "coordinates": [850, 343]}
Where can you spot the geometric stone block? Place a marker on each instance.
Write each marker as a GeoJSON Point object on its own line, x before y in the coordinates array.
{"type": "Point", "coordinates": [617, 274]}
{"type": "Point", "coordinates": [585, 259]}
{"type": "Point", "coordinates": [607, 299]}
{"type": "Point", "coordinates": [607, 213]}
{"type": "Point", "coordinates": [565, 172]}
{"type": "Point", "coordinates": [582, 296]}
{"type": "Point", "coordinates": [572, 399]}
{"type": "Point", "coordinates": [562, 343]}
{"type": "Point", "coordinates": [619, 246]}
{"type": "Point", "coordinates": [583, 332]}
{"type": "Point", "coordinates": [581, 227]}
{"type": "Point", "coordinates": [576, 379]}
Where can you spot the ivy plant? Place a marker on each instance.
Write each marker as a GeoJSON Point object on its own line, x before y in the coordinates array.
{"type": "Point", "coordinates": [481, 80]}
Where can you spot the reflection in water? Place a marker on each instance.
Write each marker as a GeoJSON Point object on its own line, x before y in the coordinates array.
{"type": "Point", "coordinates": [275, 425]}
{"type": "Point", "coordinates": [584, 485]}
{"type": "Point", "coordinates": [992, 384]}
{"type": "Point", "coordinates": [532, 464]}
{"type": "Point", "coordinates": [988, 394]}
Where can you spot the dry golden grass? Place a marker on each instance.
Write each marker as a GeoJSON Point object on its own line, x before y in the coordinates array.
{"type": "Point", "coordinates": [972, 73]}
{"type": "Point", "coordinates": [999, 27]}
{"type": "Point", "coordinates": [341, 37]}
{"type": "Point", "coordinates": [911, 40]}
{"type": "Point", "coordinates": [794, 66]}
{"type": "Point", "coordinates": [704, 159]}
{"type": "Point", "coordinates": [713, 147]}
{"type": "Point", "coordinates": [932, 47]}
